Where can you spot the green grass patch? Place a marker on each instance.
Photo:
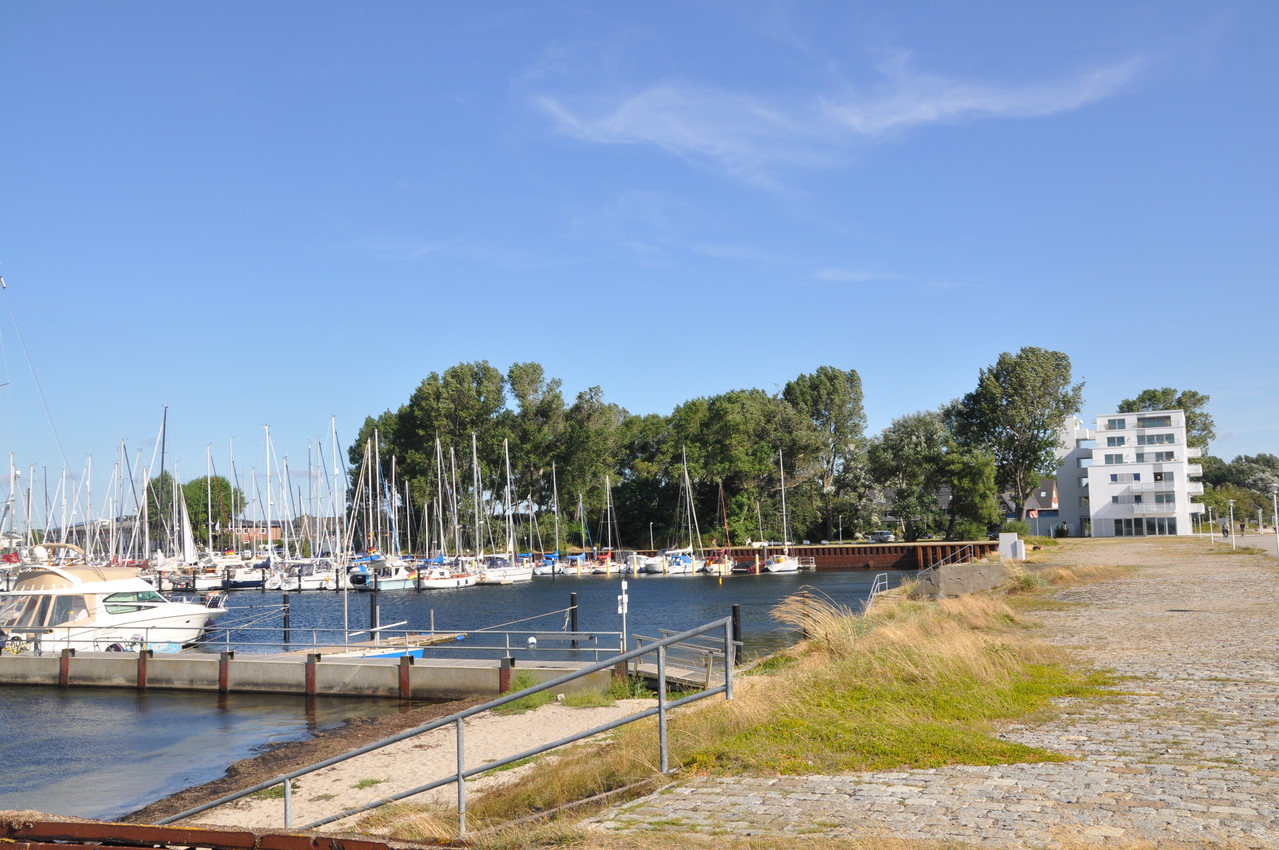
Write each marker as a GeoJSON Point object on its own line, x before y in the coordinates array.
{"type": "Point", "coordinates": [511, 766]}
{"type": "Point", "coordinates": [521, 681]}
{"type": "Point", "coordinates": [588, 699]}
{"type": "Point", "coordinates": [629, 687]}
{"type": "Point", "coordinates": [367, 783]}
{"type": "Point", "coordinates": [275, 792]}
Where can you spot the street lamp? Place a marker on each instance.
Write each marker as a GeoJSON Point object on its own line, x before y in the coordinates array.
{"type": "Point", "coordinates": [1232, 523]}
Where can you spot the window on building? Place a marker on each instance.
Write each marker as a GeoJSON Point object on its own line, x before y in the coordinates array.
{"type": "Point", "coordinates": [1119, 458]}
{"type": "Point", "coordinates": [1114, 441]}
{"type": "Point", "coordinates": [1163, 457]}
{"type": "Point", "coordinates": [1154, 439]}
{"type": "Point", "coordinates": [1165, 498]}
{"type": "Point", "coordinates": [1154, 421]}
{"type": "Point", "coordinates": [1115, 424]}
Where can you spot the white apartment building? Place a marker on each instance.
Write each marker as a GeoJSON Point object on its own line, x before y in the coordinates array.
{"type": "Point", "coordinates": [1139, 480]}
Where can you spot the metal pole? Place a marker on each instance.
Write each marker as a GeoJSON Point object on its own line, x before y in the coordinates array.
{"type": "Point", "coordinates": [661, 706]}
{"type": "Point", "coordinates": [286, 618]}
{"type": "Point", "coordinates": [461, 782]}
{"type": "Point", "coordinates": [1232, 523]}
{"type": "Point", "coordinates": [1274, 497]}
{"type": "Point", "coordinates": [288, 804]}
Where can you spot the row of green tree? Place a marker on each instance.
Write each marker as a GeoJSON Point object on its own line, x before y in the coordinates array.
{"type": "Point", "coordinates": [737, 448]}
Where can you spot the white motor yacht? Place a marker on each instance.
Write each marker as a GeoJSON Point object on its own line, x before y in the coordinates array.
{"type": "Point", "coordinates": [98, 608]}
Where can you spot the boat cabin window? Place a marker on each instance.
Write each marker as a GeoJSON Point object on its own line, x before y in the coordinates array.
{"type": "Point", "coordinates": [126, 603]}
{"type": "Point", "coordinates": [67, 609]}
{"type": "Point", "coordinates": [24, 612]}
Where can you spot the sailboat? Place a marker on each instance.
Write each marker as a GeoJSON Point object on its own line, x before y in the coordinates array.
{"type": "Point", "coordinates": [785, 562]}
{"type": "Point", "coordinates": [502, 568]}
{"type": "Point", "coordinates": [687, 560]}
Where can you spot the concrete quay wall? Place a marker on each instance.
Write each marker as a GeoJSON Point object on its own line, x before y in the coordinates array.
{"type": "Point", "coordinates": [309, 675]}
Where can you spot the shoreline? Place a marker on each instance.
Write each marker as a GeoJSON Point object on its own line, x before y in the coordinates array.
{"type": "Point", "coordinates": [355, 732]}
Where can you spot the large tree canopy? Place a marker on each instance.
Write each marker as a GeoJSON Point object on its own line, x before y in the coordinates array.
{"type": "Point", "coordinates": [1016, 412]}
{"type": "Point", "coordinates": [832, 399]}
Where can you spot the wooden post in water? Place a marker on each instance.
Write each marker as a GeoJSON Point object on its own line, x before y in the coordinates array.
{"type": "Point", "coordinates": [286, 617]}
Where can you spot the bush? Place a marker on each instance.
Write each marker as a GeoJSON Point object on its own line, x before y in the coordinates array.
{"type": "Point", "coordinates": [1017, 526]}
{"type": "Point", "coordinates": [969, 530]}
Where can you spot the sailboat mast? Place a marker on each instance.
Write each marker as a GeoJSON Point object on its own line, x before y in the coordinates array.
{"type": "Point", "coordinates": [555, 497]}
{"type": "Point", "coordinates": [270, 549]}
{"type": "Point", "coordinates": [510, 528]}
{"type": "Point", "coordinates": [475, 468]}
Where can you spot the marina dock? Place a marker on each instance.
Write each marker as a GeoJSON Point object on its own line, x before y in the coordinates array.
{"type": "Point", "coordinates": [305, 674]}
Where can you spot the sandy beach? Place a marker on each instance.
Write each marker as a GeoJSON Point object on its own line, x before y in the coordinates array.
{"type": "Point", "coordinates": [397, 767]}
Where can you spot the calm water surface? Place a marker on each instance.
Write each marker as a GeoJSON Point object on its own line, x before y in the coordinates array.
{"type": "Point", "coordinates": [104, 753]}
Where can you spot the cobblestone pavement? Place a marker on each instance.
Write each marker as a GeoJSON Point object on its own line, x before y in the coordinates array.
{"type": "Point", "coordinates": [1189, 753]}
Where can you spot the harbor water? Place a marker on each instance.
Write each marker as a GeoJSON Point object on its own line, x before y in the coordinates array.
{"type": "Point", "coordinates": [104, 753]}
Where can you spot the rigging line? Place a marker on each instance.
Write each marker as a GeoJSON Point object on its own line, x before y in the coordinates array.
{"type": "Point", "coordinates": [522, 620]}
{"type": "Point", "coordinates": [34, 377]}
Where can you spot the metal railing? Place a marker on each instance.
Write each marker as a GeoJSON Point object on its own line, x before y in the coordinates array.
{"type": "Point", "coordinates": [494, 641]}
{"type": "Point", "coordinates": [877, 587]}
{"type": "Point", "coordinates": [463, 773]}
{"type": "Point", "coordinates": [961, 555]}
{"type": "Point", "coordinates": [695, 660]}
{"type": "Point", "coordinates": [385, 641]}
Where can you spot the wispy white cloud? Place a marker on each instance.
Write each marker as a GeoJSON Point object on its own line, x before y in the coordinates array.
{"type": "Point", "coordinates": [753, 136]}
{"type": "Point", "coordinates": [735, 252]}
{"type": "Point", "coordinates": [836, 275]}
{"type": "Point", "coordinates": [391, 249]}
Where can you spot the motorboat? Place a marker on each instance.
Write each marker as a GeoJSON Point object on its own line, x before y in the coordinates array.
{"type": "Point", "coordinates": [54, 607]}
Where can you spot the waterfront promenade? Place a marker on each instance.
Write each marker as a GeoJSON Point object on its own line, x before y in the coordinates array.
{"type": "Point", "coordinates": [1187, 750]}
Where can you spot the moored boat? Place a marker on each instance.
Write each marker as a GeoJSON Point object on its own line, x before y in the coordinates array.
{"type": "Point", "coordinates": [98, 608]}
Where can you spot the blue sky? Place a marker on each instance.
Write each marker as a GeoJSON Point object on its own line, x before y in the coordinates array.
{"type": "Point", "coordinates": [274, 214]}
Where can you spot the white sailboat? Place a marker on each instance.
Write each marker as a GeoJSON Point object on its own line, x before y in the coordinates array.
{"type": "Point", "coordinates": [785, 562]}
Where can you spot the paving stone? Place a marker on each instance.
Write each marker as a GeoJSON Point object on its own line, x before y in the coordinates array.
{"type": "Point", "coordinates": [1188, 749]}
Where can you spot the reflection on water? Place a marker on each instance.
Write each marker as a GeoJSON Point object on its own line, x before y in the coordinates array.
{"type": "Point", "coordinates": [103, 753]}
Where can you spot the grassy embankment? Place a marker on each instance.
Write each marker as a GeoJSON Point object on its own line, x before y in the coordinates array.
{"type": "Point", "coordinates": [912, 684]}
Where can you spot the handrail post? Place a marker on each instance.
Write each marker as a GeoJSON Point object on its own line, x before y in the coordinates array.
{"type": "Point", "coordinates": [729, 661]}
{"type": "Point", "coordinates": [661, 706]}
{"type": "Point", "coordinates": [288, 804]}
{"type": "Point", "coordinates": [461, 782]}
